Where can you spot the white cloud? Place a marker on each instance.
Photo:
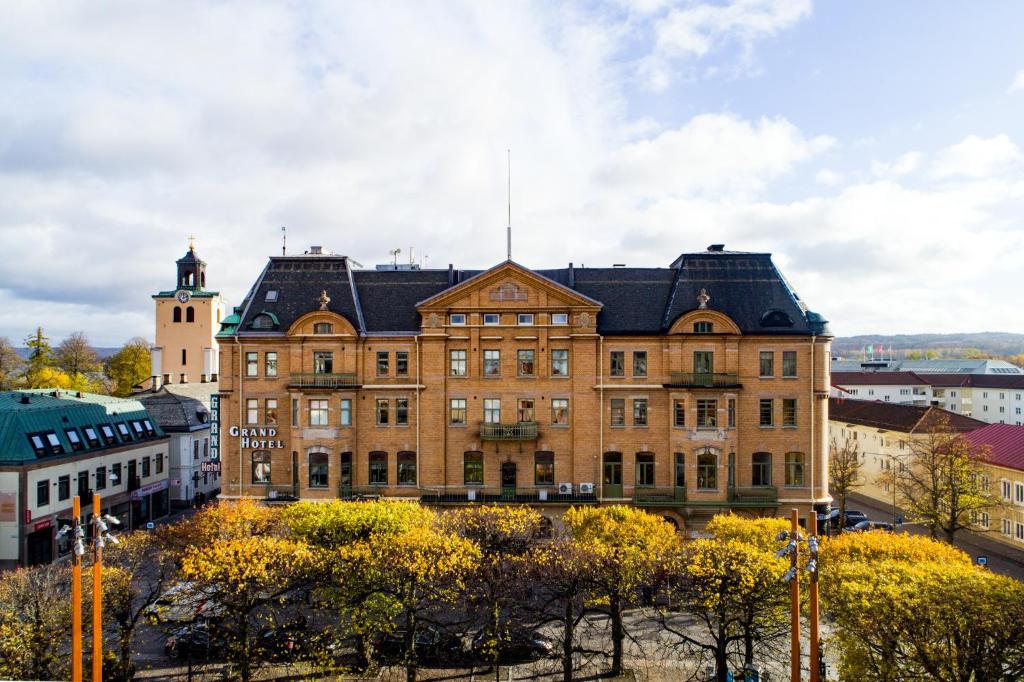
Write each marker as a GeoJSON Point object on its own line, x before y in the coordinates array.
{"type": "Point", "coordinates": [828, 177]}
{"type": "Point", "coordinates": [976, 157]}
{"type": "Point", "coordinates": [907, 163]}
{"type": "Point", "coordinates": [1018, 82]}
{"type": "Point", "coordinates": [697, 29]}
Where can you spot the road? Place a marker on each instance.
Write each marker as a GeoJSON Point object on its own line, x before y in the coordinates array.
{"type": "Point", "coordinates": [1001, 558]}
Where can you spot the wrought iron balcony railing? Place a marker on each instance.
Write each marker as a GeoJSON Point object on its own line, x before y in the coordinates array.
{"type": "Point", "coordinates": [505, 495]}
{"type": "Point", "coordinates": [509, 432]}
{"type": "Point", "coordinates": [704, 380]}
{"type": "Point", "coordinates": [755, 496]}
{"type": "Point", "coordinates": [320, 380]}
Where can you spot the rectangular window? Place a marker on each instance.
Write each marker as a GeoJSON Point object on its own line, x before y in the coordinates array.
{"type": "Point", "coordinates": [492, 319]}
{"type": "Point", "coordinates": [703, 327]}
{"type": "Point", "coordinates": [457, 363]}
{"type": "Point", "coordinates": [492, 363]}
{"type": "Point", "coordinates": [346, 412]}
{"type": "Point", "coordinates": [382, 364]}
{"type": "Point", "coordinates": [524, 319]}
{"type": "Point", "coordinates": [524, 413]}
{"type": "Point", "coordinates": [43, 493]}
{"type": "Point", "coordinates": [703, 362]}
{"type": "Point", "coordinates": [37, 443]}
{"type": "Point", "coordinates": [640, 412]}
{"type": "Point", "coordinates": [680, 473]}
{"type": "Point", "coordinates": [1018, 493]}
{"type": "Point", "coordinates": [457, 411]}
{"type": "Point", "coordinates": [707, 413]}
{"type": "Point", "coordinates": [318, 469]}
{"type": "Point", "coordinates": [617, 364]}
{"type": "Point", "coordinates": [524, 363]}
{"type": "Point", "coordinates": [94, 441]}
{"type": "Point", "coordinates": [74, 439]}
{"type": "Point", "coordinates": [645, 468]}
{"type": "Point", "coordinates": [63, 488]}
{"type": "Point", "coordinates": [323, 362]}
{"type": "Point", "coordinates": [160, 463]}
{"type": "Point", "coordinates": [1020, 531]}
{"type": "Point", "coordinates": [115, 474]}
{"type": "Point", "coordinates": [401, 411]}
{"type": "Point", "coordinates": [270, 364]}
{"type": "Point", "coordinates": [101, 478]}
{"type": "Point", "coordinates": [560, 319]}
{"type": "Point", "coordinates": [261, 467]}
{"type": "Point", "coordinates": [679, 413]}
{"type": "Point", "coordinates": [252, 364]}
{"type": "Point", "coordinates": [767, 363]}
{"type": "Point", "coordinates": [378, 468]}
{"type": "Point", "coordinates": [560, 411]}
{"type": "Point", "coordinates": [457, 319]}
{"type": "Point", "coordinates": [618, 412]}
{"type": "Point", "coordinates": [83, 483]}
{"type": "Point", "coordinates": [1006, 527]}
{"type": "Point", "coordinates": [544, 468]}
{"type": "Point", "coordinates": [401, 363]}
{"type": "Point", "coordinates": [382, 411]}
{"type": "Point", "coordinates": [473, 468]}
{"type": "Point", "coordinates": [560, 362]}
{"type": "Point", "coordinates": [795, 469]}
{"type": "Point", "coordinates": [122, 428]}
{"type": "Point", "coordinates": [406, 468]}
{"type": "Point", "coordinates": [270, 411]}
{"type": "Point", "coordinates": [639, 363]}
{"type": "Point", "coordinates": [318, 413]}
{"type": "Point", "coordinates": [492, 411]}
{"type": "Point", "coordinates": [761, 469]}
{"type": "Point", "coordinates": [731, 413]}
{"type": "Point", "coordinates": [252, 411]}
{"type": "Point", "coordinates": [765, 412]}
{"type": "Point", "coordinates": [1006, 489]}
{"type": "Point", "coordinates": [145, 467]}
{"type": "Point", "coordinates": [295, 411]}
{"type": "Point", "coordinates": [789, 411]}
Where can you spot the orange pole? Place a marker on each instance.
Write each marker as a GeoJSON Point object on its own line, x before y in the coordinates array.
{"type": "Point", "coordinates": [794, 606]}
{"type": "Point", "coordinates": [812, 528]}
{"type": "Point", "coordinates": [76, 595]}
{"type": "Point", "coordinates": [97, 596]}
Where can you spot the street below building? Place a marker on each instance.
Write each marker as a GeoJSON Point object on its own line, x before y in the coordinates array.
{"type": "Point", "coordinates": [1001, 558]}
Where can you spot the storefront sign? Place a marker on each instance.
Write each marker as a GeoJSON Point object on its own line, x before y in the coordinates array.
{"type": "Point", "coordinates": [147, 490]}
{"type": "Point", "coordinates": [8, 507]}
{"type": "Point", "coordinates": [215, 426]}
{"type": "Point", "coordinates": [43, 525]}
{"type": "Point", "coordinates": [258, 437]}
{"type": "Point", "coordinates": [210, 467]}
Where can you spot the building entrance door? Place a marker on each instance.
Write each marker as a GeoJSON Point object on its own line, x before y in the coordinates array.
{"type": "Point", "coordinates": [346, 475]}
{"type": "Point", "coordinates": [508, 480]}
{"type": "Point", "coordinates": [39, 547]}
{"type": "Point", "coordinates": [611, 482]}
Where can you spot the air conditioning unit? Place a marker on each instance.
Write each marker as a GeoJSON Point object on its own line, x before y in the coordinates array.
{"type": "Point", "coordinates": [565, 488]}
{"type": "Point", "coordinates": [471, 494]}
{"type": "Point", "coordinates": [272, 495]}
{"type": "Point", "coordinates": [542, 495]}
{"type": "Point", "coordinates": [587, 488]}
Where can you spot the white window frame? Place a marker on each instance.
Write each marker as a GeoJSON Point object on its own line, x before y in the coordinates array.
{"type": "Point", "coordinates": [560, 319]}
{"type": "Point", "coordinates": [524, 319]}
{"type": "Point", "coordinates": [492, 319]}
{"type": "Point", "coordinates": [457, 319]}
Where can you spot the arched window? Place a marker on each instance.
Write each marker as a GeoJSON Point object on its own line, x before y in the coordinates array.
{"type": "Point", "coordinates": [672, 521]}
{"type": "Point", "coordinates": [378, 468]}
{"type": "Point", "coordinates": [761, 469]}
{"type": "Point", "coordinates": [406, 468]}
{"type": "Point", "coordinates": [261, 467]}
{"type": "Point", "coordinates": [545, 528]}
{"type": "Point", "coordinates": [177, 313]}
{"type": "Point", "coordinates": [795, 469]}
{"type": "Point", "coordinates": [318, 467]}
{"type": "Point", "coordinates": [473, 467]}
{"type": "Point", "coordinates": [707, 470]}
{"type": "Point", "coordinates": [190, 314]}
{"type": "Point", "coordinates": [262, 321]}
{"type": "Point", "coordinates": [645, 468]}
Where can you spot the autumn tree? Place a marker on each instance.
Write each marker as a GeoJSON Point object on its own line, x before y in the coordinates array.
{"type": "Point", "coordinates": [76, 356]}
{"type": "Point", "coordinates": [10, 365]}
{"type": "Point", "coordinates": [504, 535]}
{"type": "Point", "coordinates": [844, 472]}
{"type": "Point", "coordinates": [129, 366]}
{"type": "Point", "coordinates": [944, 486]}
{"type": "Point", "coordinates": [403, 577]}
{"type": "Point", "coordinates": [629, 550]}
{"type": "Point", "coordinates": [35, 615]}
{"type": "Point", "coordinates": [40, 357]}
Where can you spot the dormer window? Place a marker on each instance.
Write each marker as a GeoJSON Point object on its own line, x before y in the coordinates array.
{"type": "Point", "coordinates": [263, 321]}
{"type": "Point", "coordinates": [560, 318]}
{"type": "Point", "coordinates": [703, 327]}
{"type": "Point", "coordinates": [524, 319]}
{"type": "Point", "coordinates": [108, 434]}
{"type": "Point", "coordinates": [323, 328]}
{"type": "Point", "coordinates": [776, 318]}
{"type": "Point", "coordinates": [90, 435]}
{"type": "Point", "coordinates": [271, 296]}
{"type": "Point", "coordinates": [123, 430]}
{"type": "Point", "coordinates": [74, 439]}
{"type": "Point", "coordinates": [457, 319]}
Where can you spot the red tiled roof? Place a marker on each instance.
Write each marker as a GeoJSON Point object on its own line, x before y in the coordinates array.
{"type": "Point", "coordinates": [1005, 443]}
{"type": "Point", "coordinates": [896, 416]}
{"type": "Point", "coordinates": [878, 379]}
{"type": "Point", "coordinates": [975, 380]}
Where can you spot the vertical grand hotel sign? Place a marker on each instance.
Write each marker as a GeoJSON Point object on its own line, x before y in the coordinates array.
{"type": "Point", "coordinates": [215, 427]}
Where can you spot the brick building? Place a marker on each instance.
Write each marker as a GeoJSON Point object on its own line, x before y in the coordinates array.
{"type": "Point", "coordinates": [689, 389]}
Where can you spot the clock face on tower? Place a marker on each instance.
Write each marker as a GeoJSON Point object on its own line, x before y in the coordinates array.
{"type": "Point", "coordinates": [183, 296]}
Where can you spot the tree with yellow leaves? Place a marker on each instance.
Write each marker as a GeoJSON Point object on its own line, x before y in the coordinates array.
{"type": "Point", "coordinates": [35, 616]}
{"type": "Point", "coordinates": [330, 525]}
{"type": "Point", "coordinates": [629, 550]}
{"type": "Point", "coordinates": [401, 577]}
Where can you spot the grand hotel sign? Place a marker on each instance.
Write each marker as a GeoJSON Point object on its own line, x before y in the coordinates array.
{"type": "Point", "coordinates": [257, 437]}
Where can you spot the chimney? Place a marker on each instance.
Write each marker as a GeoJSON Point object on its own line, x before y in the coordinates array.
{"type": "Point", "coordinates": [167, 379]}
{"type": "Point", "coordinates": [207, 364]}
{"type": "Point", "coordinates": [716, 248]}
{"type": "Point", "coordinates": [451, 275]}
{"type": "Point", "coordinates": [213, 377]}
{"type": "Point", "coordinates": [25, 400]}
{"type": "Point", "coordinates": [184, 378]}
{"type": "Point", "coordinates": [572, 277]}
{"type": "Point", "coordinates": [156, 358]}
{"type": "Point", "coordinates": [316, 250]}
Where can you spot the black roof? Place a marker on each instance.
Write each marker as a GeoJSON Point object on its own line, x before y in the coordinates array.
{"type": "Point", "coordinates": [747, 287]}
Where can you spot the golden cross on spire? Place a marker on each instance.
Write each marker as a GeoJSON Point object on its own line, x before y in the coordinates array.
{"type": "Point", "coordinates": [191, 242]}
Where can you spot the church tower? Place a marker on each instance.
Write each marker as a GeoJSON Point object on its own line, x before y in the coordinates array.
{"type": "Point", "coordinates": [187, 321]}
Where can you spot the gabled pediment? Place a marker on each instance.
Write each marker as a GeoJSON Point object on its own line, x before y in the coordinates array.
{"type": "Point", "coordinates": [508, 285]}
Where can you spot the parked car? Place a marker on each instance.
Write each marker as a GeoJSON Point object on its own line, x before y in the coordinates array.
{"type": "Point", "coordinates": [853, 517]}
{"type": "Point", "coordinates": [872, 525]}
{"type": "Point", "coordinates": [828, 521]}
{"type": "Point", "coordinates": [196, 641]}
{"type": "Point", "coordinates": [286, 642]}
{"type": "Point", "coordinates": [518, 646]}
{"type": "Point", "coordinates": [432, 645]}
{"type": "Point", "coordinates": [183, 603]}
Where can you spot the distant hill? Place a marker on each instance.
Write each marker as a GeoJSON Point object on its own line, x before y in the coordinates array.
{"type": "Point", "coordinates": [945, 345]}
{"type": "Point", "coordinates": [104, 353]}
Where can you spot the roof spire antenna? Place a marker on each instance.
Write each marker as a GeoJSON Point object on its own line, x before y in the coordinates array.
{"type": "Point", "coordinates": [509, 231]}
{"type": "Point", "coordinates": [284, 240]}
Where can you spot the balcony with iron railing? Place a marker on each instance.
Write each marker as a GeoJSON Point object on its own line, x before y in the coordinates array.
{"type": "Point", "coordinates": [322, 380]}
{"type": "Point", "coordinates": [703, 380]}
{"type": "Point", "coordinates": [754, 496]}
{"type": "Point", "coordinates": [505, 495]}
{"type": "Point", "coordinates": [518, 431]}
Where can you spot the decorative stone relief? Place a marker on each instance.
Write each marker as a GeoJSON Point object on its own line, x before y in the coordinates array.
{"type": "Point", "coordinates": [702, 298]}
{"type": "Point", "coordinates": [510, 291]}
{"type": "Point", "coordinates": [324, 300]}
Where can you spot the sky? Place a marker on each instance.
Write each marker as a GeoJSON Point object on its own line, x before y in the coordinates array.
{"type": "Point", "coordinates": [875, 148]}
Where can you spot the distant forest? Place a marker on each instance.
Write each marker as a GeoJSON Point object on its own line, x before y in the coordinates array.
{"type": "Point", "coordinates": [999, 345]}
